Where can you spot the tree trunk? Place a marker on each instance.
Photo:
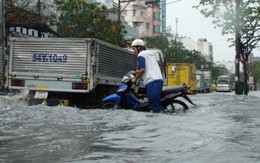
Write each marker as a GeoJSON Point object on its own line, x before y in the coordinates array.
{"type": "Point", "coordinates": [255, 84]}
{"type": "Point", "coordinates": [245, 77]}
{"type": "Point", "coordinates": [237, 46]}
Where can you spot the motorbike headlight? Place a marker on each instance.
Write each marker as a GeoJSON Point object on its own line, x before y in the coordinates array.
{"type": "Point", "coordinates": [125, 78]}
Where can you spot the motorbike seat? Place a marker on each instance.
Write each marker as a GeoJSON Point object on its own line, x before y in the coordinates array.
{"type": "Point", "coordinates": [172, 89]}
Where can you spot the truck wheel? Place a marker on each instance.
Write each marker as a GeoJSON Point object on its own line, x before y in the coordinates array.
{"type": "Point", "coordinates": [110, 105]}
{"type": "Point", "coordinates": [177, 106]}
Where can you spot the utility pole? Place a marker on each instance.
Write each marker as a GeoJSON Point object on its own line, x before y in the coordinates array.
{"type": "Point", "coordinates": [118, 10]}
{"type": "Point", "coordinates": [119, 7]}
{"type": "Point", "coordinates": [176, 35]}
{"type": "Point", "coordinates": [39, 14]}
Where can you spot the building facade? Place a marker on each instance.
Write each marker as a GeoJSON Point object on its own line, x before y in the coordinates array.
{"type": "Point", "coordinates": [229, 65]}
{"type": "Point", "coordinates": [188, 43]}
{"type": "Point", "coordinates": [154, 13]}
{"type": "Point", "coordinates": [205, 48]}
{"type": "Point", "coordinates": [143, 15]}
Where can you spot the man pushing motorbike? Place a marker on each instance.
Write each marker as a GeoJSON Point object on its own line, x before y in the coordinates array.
{"type": "Point", "coordinates": [148, 68]}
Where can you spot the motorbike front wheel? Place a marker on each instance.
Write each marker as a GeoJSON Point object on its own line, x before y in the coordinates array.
{"type": "Point", "coordinates": [110, 105]}
{"type": "Point", "coordinates": [177, 106]}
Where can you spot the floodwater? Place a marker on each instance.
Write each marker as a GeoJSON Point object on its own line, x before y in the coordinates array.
{"type": "Point", "coordinates": [223, 127]}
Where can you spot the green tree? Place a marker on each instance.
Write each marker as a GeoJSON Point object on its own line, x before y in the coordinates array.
{"type": "Point", "coordinates": [217, 71]}
{"type": "Point", "coordinates": [239, 18]}
{"type": "Point", "coordinates": [255, 72]}
{"type": "Point", "coordinates": [79, 18]}
{"type": "Point", "coordinates": [177, 53]}
{"type": "Point", "coordinates": [157, 42]}
{"type": "Point", "coordinates": [25, 15]}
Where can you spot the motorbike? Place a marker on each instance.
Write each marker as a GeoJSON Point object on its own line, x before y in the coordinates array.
{"type": "Point", "coordinates": [123, 98]}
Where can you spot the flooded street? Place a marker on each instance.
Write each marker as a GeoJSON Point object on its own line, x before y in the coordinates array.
{"type": "Point", "coordinates": [222, 128]}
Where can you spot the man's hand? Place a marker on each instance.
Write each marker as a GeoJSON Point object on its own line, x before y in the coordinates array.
{"type": "Point", "coordinates": [132, 72]}
{"type": "Point", "coordinates": [134, 80]}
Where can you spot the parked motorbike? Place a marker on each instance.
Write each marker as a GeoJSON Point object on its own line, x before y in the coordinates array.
{"type": "Point", "coordinates": [123, 98]}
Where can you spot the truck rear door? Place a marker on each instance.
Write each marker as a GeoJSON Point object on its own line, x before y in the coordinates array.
{"type": "Point", "coordinates": [49, 64]}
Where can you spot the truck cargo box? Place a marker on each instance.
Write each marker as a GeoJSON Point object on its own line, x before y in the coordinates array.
{"type": "Point", "coordinates": [67, 65]}
{"type": "Point", "coordinates": [179, 73]}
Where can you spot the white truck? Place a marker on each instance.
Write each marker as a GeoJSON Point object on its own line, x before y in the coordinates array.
{"type": "Point", "coordinates": [200, 83]}
{"type": "Point", "coordinates": [68, 71]}
{"type": "Point", "coordinates": [207, 73]}
{"type": "Point", "coordinates": [224, 84]}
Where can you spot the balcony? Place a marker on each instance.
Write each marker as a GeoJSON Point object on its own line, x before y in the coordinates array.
{"type": "Point", "coordinates": [152, 2]}
{"type": "Point", "coordinates": [140, 19]}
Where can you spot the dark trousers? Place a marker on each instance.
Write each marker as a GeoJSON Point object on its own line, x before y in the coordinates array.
{"type": "Point", "coordinates": [154, 92]}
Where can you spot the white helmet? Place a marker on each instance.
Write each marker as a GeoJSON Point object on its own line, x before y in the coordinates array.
{"type": "Point", "coordinates": [138, 42]}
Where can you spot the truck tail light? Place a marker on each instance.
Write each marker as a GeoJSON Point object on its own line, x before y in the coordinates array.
{"type": "Point", "coordinates": [19, 83]}
{"type": "Point", "coordinates": [79, 85]}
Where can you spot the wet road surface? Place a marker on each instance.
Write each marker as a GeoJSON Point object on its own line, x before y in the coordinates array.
{"type": "Point", "coordinates": [223, 127]}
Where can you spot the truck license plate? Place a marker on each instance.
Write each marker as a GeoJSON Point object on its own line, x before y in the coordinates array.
{"type": "Point", "coordinates": [41, 94]}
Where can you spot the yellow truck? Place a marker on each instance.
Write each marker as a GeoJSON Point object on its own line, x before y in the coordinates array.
{"type": "Point", "coordinates": [179, 73]}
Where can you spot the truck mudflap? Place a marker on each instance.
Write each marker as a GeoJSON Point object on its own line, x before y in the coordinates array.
{"type": "Point", "coordinates": [83, 101]}
{"type": "Point", "coordinates": [40, 97]}
{"type": "Point", "coordinates": [48, 102]}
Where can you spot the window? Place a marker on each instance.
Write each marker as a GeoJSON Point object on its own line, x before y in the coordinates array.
{"type": "Point", "coordinates": [156, 28]}
{"type": "Point", "coordinates": [147, 25]}
{"type": "Point", "coordinates": [124, 12]}
{"type": "Point", "coordinates": [156, 15]}
{"type": "Point", "coordinates": [136, 24]}
{"type": "Point", "coordinates": [18, 29]}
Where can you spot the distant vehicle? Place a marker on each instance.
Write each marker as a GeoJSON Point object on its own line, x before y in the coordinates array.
{"type": "Point", "coordinates": [200, 83]}
{"type": "Point", "coordinates": [224, 84]}
{"type": "Point", "coordinates": [180, 73]}
{"type": "Point", "coordinates": [207, 81]}
{"type": "Point", "coordinates": [224, 77]}
{"type": "Point", "coordinates": [213, 87]}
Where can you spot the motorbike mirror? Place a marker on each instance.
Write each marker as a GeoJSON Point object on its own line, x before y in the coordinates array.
{"type": "Point", "coordinates": [127, 77]}
{"type": "Point", "coordinates": [173, 69]}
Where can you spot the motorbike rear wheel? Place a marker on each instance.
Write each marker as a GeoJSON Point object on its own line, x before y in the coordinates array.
{"type": "Point", "coordinates": [110, 105]}
{"type": "Point", "coordinates": [177, 106]}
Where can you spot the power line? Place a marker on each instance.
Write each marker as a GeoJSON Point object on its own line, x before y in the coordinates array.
{"type": "Point", "coordinates": [173, 2]}
{"type": "Point", "coordinates": [140, 8]}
